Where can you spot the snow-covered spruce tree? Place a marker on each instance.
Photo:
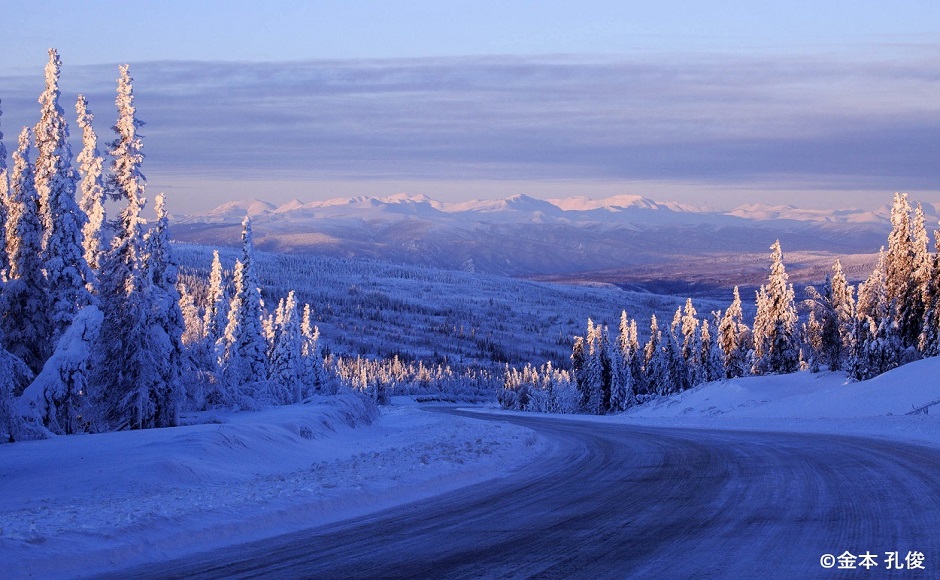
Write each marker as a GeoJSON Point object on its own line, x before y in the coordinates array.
{"type": "Point", "coordinates": [91, 186]}
{"type": "Point", "coordinates": [691, 343]}
{"type": "Point", "coordinates": [313, 375]}
{"type": "Point", "coordinates": [822, 328]}
{"type": "Point", "coordinates": [129, 379]}
{"type": "Point", "coordinates": [14, 377]}
{"type": "Point", "coordinates": [578, 364]}
{"type": "Point", "coordinates": [906, 270]}
{"type": "Point", "coordinates": [244, 359]}
{"type": "Point", "coordinates": [25, 324]}
{"type": "Point", "coordinates": [832, 315]}
{"type": "Point", "coordinates": [675, 371]}
{"type": "Point", "coordinates": [286, 366]}
{"type": "Point", "coordinates": [923, 272]}
{"type": "Point", "coordinates": [192, 319]}
{"type": "Point", "coordinates": [63, 254]}
{"type": "Point", "coordinates": [56, 399]}
{"type": "Point", "coordinates": [623, 364]}
{"type": "Point", "coordinates": [4, 192]}
{"type": "Point", "coordinates": [711, 366]}
{"type": "Point", "coordinates": [652, 368]}
{"type": "Point", "coordinates": [929, 341]}
{"type": "Point", "coordinates": [167, 325]}
{"type": "Point", "coordinates": [595, 374]}
{"type": "Point", "coordinates": [776, 338]}
{"type": "Point", "coordinates": [734, 340]}
{"type": "Point", "coordinates": [877, 341]}
{"type": "Point", "coordinates": [680, 369]}
{"type": "Point", "coordinates": [216, 316]}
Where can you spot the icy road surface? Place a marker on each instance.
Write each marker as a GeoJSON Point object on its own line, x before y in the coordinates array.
{"type": "Point", "coordinates": [620, 500]}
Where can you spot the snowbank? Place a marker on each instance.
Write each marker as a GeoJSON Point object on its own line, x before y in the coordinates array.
{"type": "Point", "coordinates": [807, 395]}
{"type": "Point", "coordinates": [91, 503]}
{"type": "Point", "coordinates": [809, 403]}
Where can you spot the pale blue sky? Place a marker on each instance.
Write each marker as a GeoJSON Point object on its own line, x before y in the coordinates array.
{"type": "Point", "coordinates": [812, 103]}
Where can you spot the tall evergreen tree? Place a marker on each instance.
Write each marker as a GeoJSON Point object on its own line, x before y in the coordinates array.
{"type": "Point", "coordinates": [91, 186]}
{"type": "Point", "coordinates": [734, 340]}
{"type": "Point", "coordinates": [711, 366]}
{"type": "Point", "coordinates": [125, 180]}
{"type": "Point", "coordinates": [166, 322]}
{"type": "Point", "coordinates": [63, 253]}
{"type": "Point", "coordinates": [877, 342]}
{"type": "Point", "coordinates": [287, 356]}
{"type": "Point", "coordinates": [776, 339]}
{"type": "Point", "coordinates": [929, 341]}
{"type": "Point", "coordinates": [906, 263]}
{"type": "Point", "coordinates": [127, 374]}
{"type": "Point", "coordinates": [313, 374]}
{"type": "Point", "coordinates": [25, 295]}
{"type": "Point", "coordinates": [4, 193]}
{"type": "Point", "coordinates": [216, 315]}
{"type": "Point", "coordinates": [245, 358]}
{"type": "Point", "coordinates": [652, 367]}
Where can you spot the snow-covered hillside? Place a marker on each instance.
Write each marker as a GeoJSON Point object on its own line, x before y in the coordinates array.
{"type": "Point", "coordinates": [525, 236]}
{"type": "Point", "coordinates": [380, 309]}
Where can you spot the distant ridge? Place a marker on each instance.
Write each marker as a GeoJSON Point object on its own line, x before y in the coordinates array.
{"type": "Point", "coordinates": [525, 236]}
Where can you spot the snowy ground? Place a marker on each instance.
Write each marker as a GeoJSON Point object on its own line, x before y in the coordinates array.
{"type": "Point", "coordinates": [806, 402]}
{"type": "Point", "coordinates": [83, 504]}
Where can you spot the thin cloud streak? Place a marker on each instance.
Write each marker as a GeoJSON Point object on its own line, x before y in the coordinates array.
{"type": "Point", "coordinates": [713, 119]}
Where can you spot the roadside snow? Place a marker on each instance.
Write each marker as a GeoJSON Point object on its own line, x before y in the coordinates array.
{"type": "Point", "coordinates": [803, 402]}
{"type": "Point", "coordinates": [91, 503]}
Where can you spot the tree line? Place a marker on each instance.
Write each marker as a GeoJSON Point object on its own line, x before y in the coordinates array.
{"type": "Point", "coordinates": [96, 331]}
{"type": "Point", "coordinates": [890, 319]}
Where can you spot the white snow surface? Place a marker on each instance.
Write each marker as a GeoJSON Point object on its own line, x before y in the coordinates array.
{"type": "Point", "coordinates": [806, 402]}
{"type": "Point", "coordinates": [92, 503]}
{"type": "Point", "coordinates": [86, 504]}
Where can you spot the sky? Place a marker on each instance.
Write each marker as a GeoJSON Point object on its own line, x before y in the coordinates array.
{"type": "Point", "coordinates": [814, 104]}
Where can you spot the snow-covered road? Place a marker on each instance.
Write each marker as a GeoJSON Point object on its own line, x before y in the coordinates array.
{"type": "Point", "coordinates": [617, 500]}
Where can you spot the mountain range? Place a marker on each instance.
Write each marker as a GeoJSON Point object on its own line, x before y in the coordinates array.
{"type": "Point", "coordinates": [623, 239]}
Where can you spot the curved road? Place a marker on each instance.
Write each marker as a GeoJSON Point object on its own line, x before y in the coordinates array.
{"type": "Point", "coordinates": [626, 501]}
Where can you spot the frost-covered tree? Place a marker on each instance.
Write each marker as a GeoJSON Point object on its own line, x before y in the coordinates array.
{"type": "Point", "coordinates": [679, 366]}
{"type": "Point", "coordinates": [929, 341]}
{"type": "Point", "coordinates": [594, 377]}
{"type": "Point", "coordinates": [92, 187]}
{"type": "Point", "coordinates": [125, 179]}
{"type": "Point", "coordinates": [216, 314]}
{"type": "Point", "coordinates": [245, 354]}
{"type": "Point", "coordinates": [286, 366]}
{"type": "Point", "coordinates": [129, 379]}
{"type": "Point", "coordinates": [710, 366]}
{"type": "Point", "coordinates": [56, 399]}
{"type": "Point", "coordinates": [23, 306]}
{"type": "Point", "coordinates": [691, 343]}
{"type": "Point", "coordinates": [14, 378]}
{"type": "Point", "coordinates": [313, 373]}
{"type": "Point", "coordinates": [167, 324]}
{"type": "Point", "coordinates": [63, 253]}
{"type": "Point", "coordinates": [776, 338]}
{"type": "Point", "coordinates": [624, 366]}
{"type": "Point", "coordinates": [734, 340]}
{"type": "Point", "coordinates": [906, 270]}
{"type": "Point", "coordinates": [877, 341]}
{"type": "Point", "coordinates": [4, 192]}
{"type": "Point", "coordinates": [831, 322]}
{"type": "Point", "coordinates": [652, 368]}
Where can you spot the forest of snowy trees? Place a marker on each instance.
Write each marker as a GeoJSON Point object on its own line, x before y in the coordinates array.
{"type": "Point", "coordinates": [99, 331]}
{"type": "Point", "coordinates": [96, 331]}
{"type": "Point", "coordinates": [895, 319]}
